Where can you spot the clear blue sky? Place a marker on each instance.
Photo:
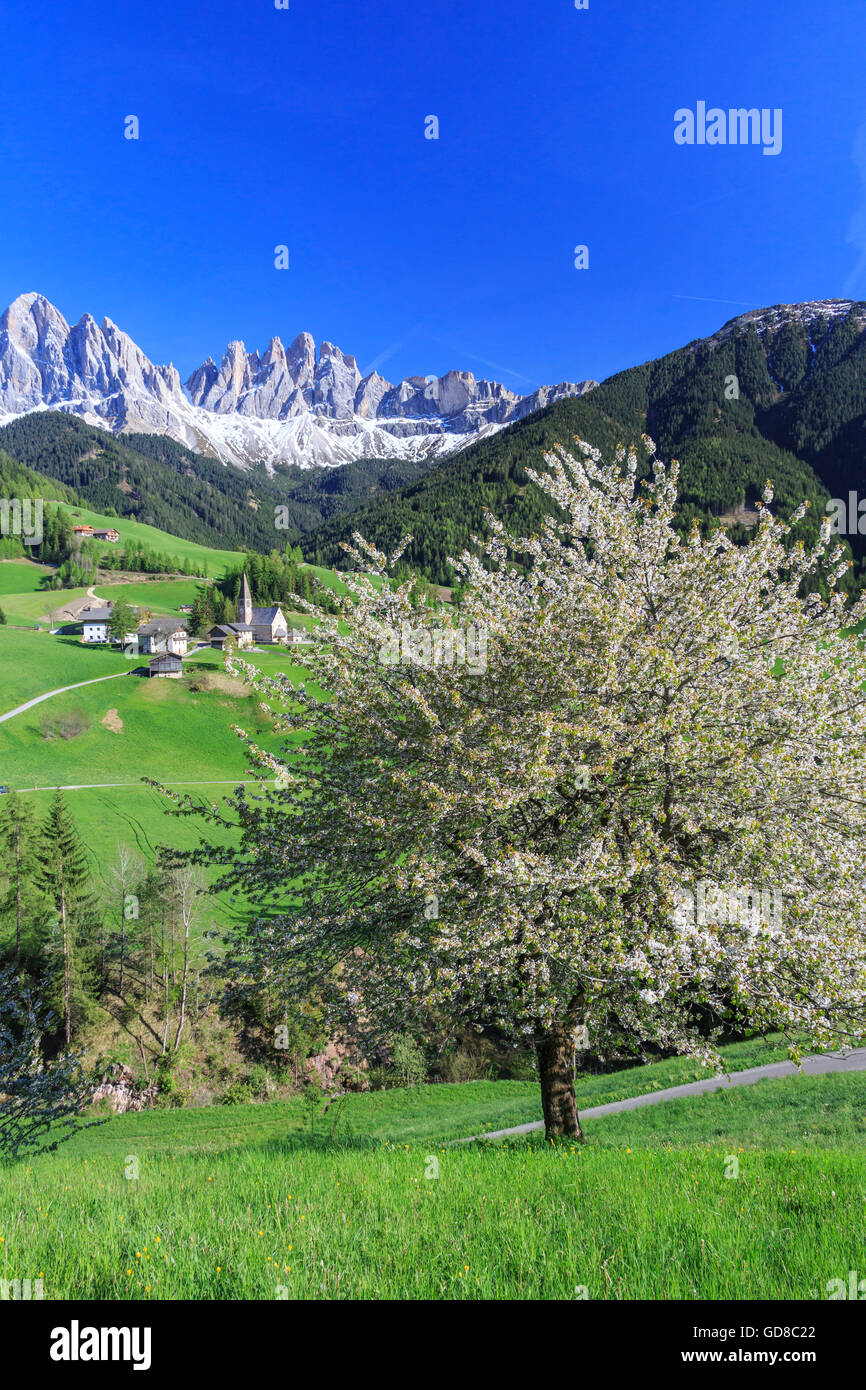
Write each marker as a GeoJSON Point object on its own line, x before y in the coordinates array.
{"type": "Point", "coordinates": [306, 127]}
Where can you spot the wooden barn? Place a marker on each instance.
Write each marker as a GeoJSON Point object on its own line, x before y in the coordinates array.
{"type": "Point", "coordinates": [168, 664]}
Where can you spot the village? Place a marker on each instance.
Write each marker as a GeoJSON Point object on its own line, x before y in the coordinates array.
{"type": "Point", "coordinates": [166, 640]}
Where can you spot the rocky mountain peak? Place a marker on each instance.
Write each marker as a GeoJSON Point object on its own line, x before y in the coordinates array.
{"type": "Point", "coordinates": [292, 403]}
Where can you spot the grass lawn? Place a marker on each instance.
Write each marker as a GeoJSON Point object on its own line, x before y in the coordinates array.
{"type": "Point", "coordinates": [242, 1202]}
{"type": "Point", "coordinates": [32, 663]}
{"type": "Point", "coordinates": [162, 596]}
{"type": "Point", "coordinates": [216, 561]}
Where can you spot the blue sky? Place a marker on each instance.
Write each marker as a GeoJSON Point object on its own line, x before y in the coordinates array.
{"type": "Point", "coordinates": [305, 127]}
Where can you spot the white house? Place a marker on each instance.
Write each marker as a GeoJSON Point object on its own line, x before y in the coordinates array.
{"type": "Point", "coordinates": [95, 624]}
{"type": "Point", "coordinates": [163, 635]}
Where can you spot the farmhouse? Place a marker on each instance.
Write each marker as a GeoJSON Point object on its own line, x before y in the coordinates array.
{"type": "Point", "coordinates": [163, 635]}
{"type": "Point", "coordinates": [239, 633]}
{"type": "Point", "coordinates": [253, 625]}
{"type": "Point", "coordinates": [82, 530]}
{"type": "Point", "coordinates": [109, 535]}
{"type": "Point", "coordinates": [95, 624]}
{"type": "Point", "coordinates": [168, 665]}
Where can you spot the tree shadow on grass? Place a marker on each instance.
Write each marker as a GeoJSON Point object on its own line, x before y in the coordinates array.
{"type": "Point", "coordinates": [302, 1141]}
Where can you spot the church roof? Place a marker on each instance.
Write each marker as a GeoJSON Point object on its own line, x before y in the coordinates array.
{"type": "Point", "coordinates": [265, 615]}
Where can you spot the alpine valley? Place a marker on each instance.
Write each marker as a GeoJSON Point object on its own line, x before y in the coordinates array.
{"type": "Point", "coordinates": [777, 393]}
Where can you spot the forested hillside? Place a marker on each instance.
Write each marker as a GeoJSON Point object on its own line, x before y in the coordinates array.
{"type": "Point", "coordinates": [23, 484]}
{"type": "Point", "coordinates": [735, 410]}
{"type": "Point", "coordinates": [161, 483]}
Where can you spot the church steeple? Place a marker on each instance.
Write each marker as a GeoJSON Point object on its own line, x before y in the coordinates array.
{"type": "Point", "coordinates": [245, 603]}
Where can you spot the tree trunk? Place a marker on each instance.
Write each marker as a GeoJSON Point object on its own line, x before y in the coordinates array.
{"type": "Point", "coordinates": [556, 1072]}
{"type": "Point", "coordinates": [18, 877]}
{"type": "Point", "coordinates": [67, 977]}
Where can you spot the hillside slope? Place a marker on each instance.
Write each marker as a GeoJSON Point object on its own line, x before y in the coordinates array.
{"type": "Point", "coordinates": [779, 394]}
{"type": "Point", "coordinates": [164, 484]}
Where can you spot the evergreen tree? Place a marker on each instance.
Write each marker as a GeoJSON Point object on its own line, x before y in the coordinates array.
{"type": "Point", "coordinates": [123, 620]}
{"type": "Point", "coordinates": [64, 874]}
{"type": "Point", "coordinates": [19, 833]}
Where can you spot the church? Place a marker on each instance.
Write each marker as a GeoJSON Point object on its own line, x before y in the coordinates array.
{"type": "Point", "coordinates": [254, 625]}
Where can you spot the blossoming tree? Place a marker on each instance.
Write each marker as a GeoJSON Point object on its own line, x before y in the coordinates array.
{"type": "Point", "coordinates": [660, 721]}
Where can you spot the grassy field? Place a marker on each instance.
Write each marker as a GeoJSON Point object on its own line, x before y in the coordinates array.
{"type": "Point", "coordinates": [206, 558]}
{"type": "Point", "coordinates": [21, 597]}
{"type": "Point", "coordinates": [21, 576]}
{"type": "Point", "coordinates": [138, 727]}
{"type": "Point", "coordinates": [245, 1203]}
{"type": "Point", "coordinates": [32, 663]}
{"type": "Point", "coordinates": [161, 596]}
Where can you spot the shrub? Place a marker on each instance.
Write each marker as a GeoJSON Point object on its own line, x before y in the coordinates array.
{"type": "Point", "coordinates": [408, 1064]}
{"type": "Point", "coordinates": [465, 1064]}
{"type": "Point", "coordinates": [66, 726]}
{"type": "Point", "coordinates": [237, 1093]}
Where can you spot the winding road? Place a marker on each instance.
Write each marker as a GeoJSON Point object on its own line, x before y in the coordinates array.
{"type": "Point", "coordinates": [28, 704]}
{"type": "Point", "coordinates": [855, 1060]}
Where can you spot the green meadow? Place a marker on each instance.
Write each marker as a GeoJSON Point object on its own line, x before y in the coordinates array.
{"type": "Point", "coordinates": [206, 557]}
{"type": "Point", "coordinates": [161, 596]}
{"type": "Point", "coordinates": [374, 1202]}
{"type": "Point", "coordinates": [162, 729]}
{"type": "Point", "coordinates": [32, 663]}
{"type": "Point", "coordinates": [22, 598]}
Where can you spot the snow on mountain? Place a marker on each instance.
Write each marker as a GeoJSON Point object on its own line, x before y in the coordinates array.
{"type": "Point", "coordinates": [287, 405]}
{"type": "Point", "coordinates": [772, 319]}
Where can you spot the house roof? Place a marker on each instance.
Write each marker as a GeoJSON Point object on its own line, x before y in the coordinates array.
{"type": "Point", "coordinates": [166, 659]}
{"type": "Point", "coordinates": [94, 615]}
{"type": "Point", "coordinates": [159, 625]}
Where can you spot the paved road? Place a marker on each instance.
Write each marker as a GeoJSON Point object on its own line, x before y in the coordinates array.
{"type": "Point", "coordinates": [51, 693]}
{"type": "Point", "coordinates": [854, 1060]}
{"type": "Point", "coordinates": [63, 688]}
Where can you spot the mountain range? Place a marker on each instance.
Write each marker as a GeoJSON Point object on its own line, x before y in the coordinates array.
{"type": "Point", "coordinates": [776, 393]}
{"type": "Point", "coordinates": [296, 405]}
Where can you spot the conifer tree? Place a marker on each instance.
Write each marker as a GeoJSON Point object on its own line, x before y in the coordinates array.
{"type": "Point", "coordinates": [19, 834]}
{"type": "Point", "coordinates": [64, 873]}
